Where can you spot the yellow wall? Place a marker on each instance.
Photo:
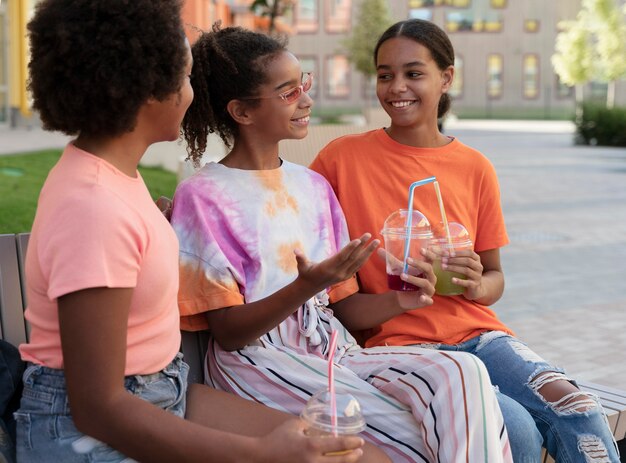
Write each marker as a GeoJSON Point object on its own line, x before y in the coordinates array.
{"type": "Point", "coordinates": [18, 14]}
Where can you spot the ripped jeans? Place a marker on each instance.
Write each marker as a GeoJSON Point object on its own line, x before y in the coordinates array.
{"type": "Point", "coordinates": [46, 431]}
{"type": "Point", "coordinates": [570, 436]}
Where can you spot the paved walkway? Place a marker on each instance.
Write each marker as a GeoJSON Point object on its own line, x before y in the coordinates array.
{"type": "Point", "coordinates": [565, 208]}
{"type": "Point", "coordinates": [26, 139]}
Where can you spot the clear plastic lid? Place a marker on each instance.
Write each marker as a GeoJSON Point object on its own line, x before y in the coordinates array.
{"type": "Point", "coordinates": [317, 413]}
{"type": "Point", "coordinates": [396, 224]}
{"type": "Point", "coordinates": [458, 234]}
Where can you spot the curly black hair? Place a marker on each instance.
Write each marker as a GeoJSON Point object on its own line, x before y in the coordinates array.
{"type": "Point", "coordinates": [432, 37]}
{"type": "Point", "coordinates": [95, 62]}
{"type": "Point", "coordinates": [228, 64]}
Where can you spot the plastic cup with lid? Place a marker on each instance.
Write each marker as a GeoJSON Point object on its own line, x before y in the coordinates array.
{"type": "Point", "coordinates": [442, 246]}
{"type": "Point", "coordinates": [318, 414]}
{"type": "Point", "coordinates": [404, 237]}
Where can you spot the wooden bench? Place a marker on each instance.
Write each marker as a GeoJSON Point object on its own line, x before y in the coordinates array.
{"type": "Point", "coordinates": [14, 329]}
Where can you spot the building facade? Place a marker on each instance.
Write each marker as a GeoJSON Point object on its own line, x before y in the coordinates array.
{"type": "Point", "coordinates": [503, 54]}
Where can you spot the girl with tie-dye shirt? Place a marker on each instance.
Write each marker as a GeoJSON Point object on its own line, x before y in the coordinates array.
{"type": "Point", "coordinates": [267, 267]}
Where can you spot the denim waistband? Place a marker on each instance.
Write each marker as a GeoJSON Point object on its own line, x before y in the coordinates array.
{"type": "Point", "coordinates": [48, 384]}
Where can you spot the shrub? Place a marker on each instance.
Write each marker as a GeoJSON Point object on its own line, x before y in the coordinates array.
{"type": "Point", "coordinates": [601, 126]}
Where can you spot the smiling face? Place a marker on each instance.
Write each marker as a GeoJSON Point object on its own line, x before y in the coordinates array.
{"type": "Point", "coordinates": [409, 83]}
{"type": "Point", "coordinates": [277, 118]}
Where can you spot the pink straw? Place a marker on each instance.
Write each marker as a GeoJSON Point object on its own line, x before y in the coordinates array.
{"type": "Point", "coordinates": [331, 381]}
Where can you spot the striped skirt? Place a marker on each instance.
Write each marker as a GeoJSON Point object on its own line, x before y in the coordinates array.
{"type": "Point", "coordinates": [421, 405]}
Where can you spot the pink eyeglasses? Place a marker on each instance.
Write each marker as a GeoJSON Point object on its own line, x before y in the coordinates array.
{"type": "Point", "coordinates": [291, 95]}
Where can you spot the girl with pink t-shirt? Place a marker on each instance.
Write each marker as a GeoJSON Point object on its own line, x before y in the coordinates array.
{"type": "Point", "coordinates": [105, 380]}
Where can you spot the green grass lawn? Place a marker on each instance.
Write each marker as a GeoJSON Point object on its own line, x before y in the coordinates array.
{"type": "Point", "coordinates": [21, 178]}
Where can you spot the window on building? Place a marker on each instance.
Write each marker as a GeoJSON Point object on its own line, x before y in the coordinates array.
{"type": "Point", "coordinates": [563, 91]}
{"type": "Point", "coordinates": [426, 3]}
{"type": "Point", "coordinates": [531, 76]}
{"type": "Point", "coordinates": [338, 15]}
{"type": "Point", "coordinates": [309, 64]}
{"type": "Point", "coordinates": [531, 25]}
{"type": "Point", "coordinates": [456, 90]}
{"type": "Point", "coordinates": [421, 13]}
{"type": "Point", "coordinates": [337, 76]}
{"type": "Point", "coordinates": [494, 76]}
{"type": "Point", "coordinates": [423, 3]}
{"type": "Point", "coordinates": [369, 88]}
{"type": "Point", "coordinates": [466, 21]}
{"type": "Point", "coordinates": [458, 3]}
{"type": "Point", "coordinates": [459, 21]}
{"type": "Point", "coordinates": [597, 90]}
{"type": "Point", "coordinates": [306, 16]}
{"type": "Point", "coordinates": [492, 24]}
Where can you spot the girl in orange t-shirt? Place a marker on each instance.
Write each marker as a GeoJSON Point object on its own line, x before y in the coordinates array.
{"type": "Point", "coordinates": [371, 174]}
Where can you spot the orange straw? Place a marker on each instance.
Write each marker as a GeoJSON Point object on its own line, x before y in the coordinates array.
{"type": "Point", "coordinates": [443, 215]}
{"type": "Point", "coordinates": [331, 381]}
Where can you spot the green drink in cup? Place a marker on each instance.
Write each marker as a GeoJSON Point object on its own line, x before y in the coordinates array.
{"type": "Point", "coordinates": [442, 245]}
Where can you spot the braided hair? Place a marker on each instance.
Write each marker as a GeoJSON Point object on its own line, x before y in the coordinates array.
{"type": "Point", "coordinates": [228, 64]}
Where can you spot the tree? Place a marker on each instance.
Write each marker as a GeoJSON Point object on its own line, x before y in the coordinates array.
{"type": "Point", "coordinates": [272, 9]}
{"type": "Point", "coordinates": [573, 60]}
{"type": "Point", "coordinates": [592, 47]}
{"type": "Point", "coordinates": [609, 28]}
{"type": "Point", "coordinates": [373, 19]}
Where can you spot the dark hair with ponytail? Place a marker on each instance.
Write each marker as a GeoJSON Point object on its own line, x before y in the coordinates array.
{"type": "Point", "coordinates": [228, 64]}
{"type": "Point", "coordinates": [432, 37]}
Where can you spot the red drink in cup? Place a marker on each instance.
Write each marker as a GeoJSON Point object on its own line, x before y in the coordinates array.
{"type": "Point", "coordinates": [404, 238]}
{"type": "Point", "coordinates": [397, 284]}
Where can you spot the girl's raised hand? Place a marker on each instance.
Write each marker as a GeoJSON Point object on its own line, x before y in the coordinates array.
{"type": "Point", "coordinates": [288, 443]}
{"type": "Point", "coordinates": [339, 267]}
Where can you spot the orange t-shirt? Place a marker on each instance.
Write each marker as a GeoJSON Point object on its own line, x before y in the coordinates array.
{"type": "Point", "coordinates": [371, 174]}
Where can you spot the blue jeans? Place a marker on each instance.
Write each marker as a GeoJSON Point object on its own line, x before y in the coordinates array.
{"type": "Point", "coordinates": [11, 369]}
{"type": "Point", "coordinates": [46, 431]}
{"type": "Point", "coordinates": [568, 435]}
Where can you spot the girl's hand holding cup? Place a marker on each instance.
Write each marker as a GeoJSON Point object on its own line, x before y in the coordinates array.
{"type": "Point", "coordinates": [466, 263]}
{"type": "Point", "coordinates": [419, 275]}
{"type": "Point", "coordinates": [455, 263]}
{"type": "Point", "coordinates": [290, 442]}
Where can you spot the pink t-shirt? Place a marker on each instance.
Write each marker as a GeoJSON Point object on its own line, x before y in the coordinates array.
{"type": "Point", "coordinates": [97, 227]}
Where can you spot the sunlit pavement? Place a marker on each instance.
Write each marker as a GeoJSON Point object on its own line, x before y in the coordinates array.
{"type": "Point", "coordinates": [565, 209]}
{"type": "Point", "coordinates": [21, 140]}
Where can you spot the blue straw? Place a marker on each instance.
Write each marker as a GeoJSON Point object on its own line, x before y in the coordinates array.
{"type": "Point", "coordinates": [409, 219]}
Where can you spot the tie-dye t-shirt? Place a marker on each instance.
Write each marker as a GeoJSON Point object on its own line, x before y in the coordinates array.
{"type": "Point", "coordinates": [238, 230]}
